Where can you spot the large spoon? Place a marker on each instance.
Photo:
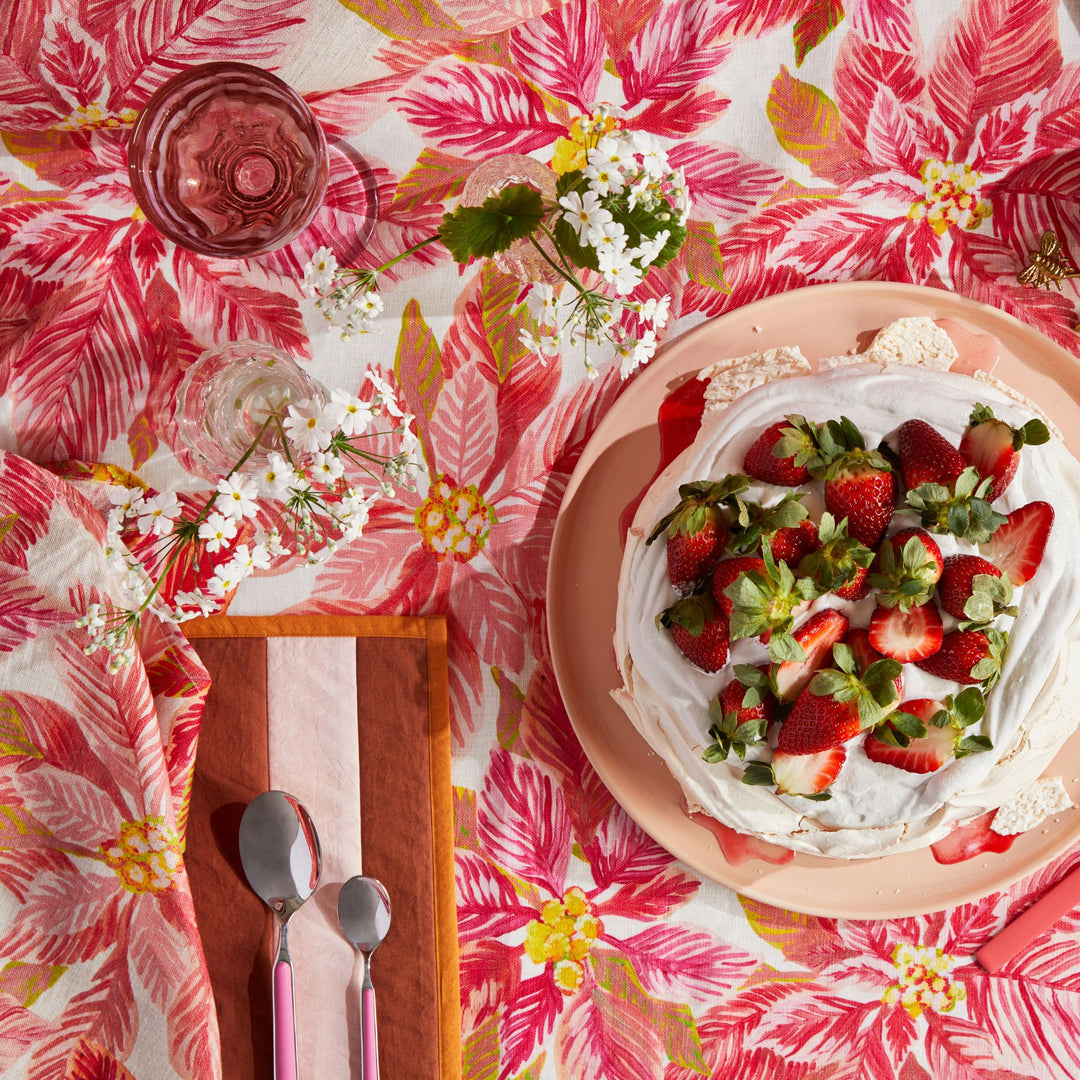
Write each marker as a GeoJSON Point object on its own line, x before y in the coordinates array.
{"type": "Point", "coordinates": [364, 914]}
{"type": "Point", "coordinates": [279, 851]}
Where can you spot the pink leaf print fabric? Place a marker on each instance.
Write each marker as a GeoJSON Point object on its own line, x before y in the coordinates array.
{"type": "Point", "coordinates": [903, 140]}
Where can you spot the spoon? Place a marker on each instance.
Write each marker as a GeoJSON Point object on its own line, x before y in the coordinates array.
{"type": "Point", "coordinates": [364, 914]}
{"type": "Point", "coordinates": [279, 851]}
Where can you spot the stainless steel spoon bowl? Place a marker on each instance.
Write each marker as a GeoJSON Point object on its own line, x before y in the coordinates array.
{"type": "Point", "coordinates": [364, 914]}
{"type": "Point", "coordinates": [280, 854]}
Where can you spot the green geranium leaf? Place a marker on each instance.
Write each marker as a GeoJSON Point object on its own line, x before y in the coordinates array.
{"type": "Point", "coordinates": [485, 230]}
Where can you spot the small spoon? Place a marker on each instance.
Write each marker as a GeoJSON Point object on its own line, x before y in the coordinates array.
{"type": "Point", "coordinates": [364, 914]}
{"type": "Point", "coordinates": [280, 854]}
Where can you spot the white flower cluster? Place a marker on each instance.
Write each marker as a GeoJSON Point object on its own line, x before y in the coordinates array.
{"type": "Point", "coordinates": [343, 301]}
{"type": "Point", "coordinates": [626, 170]}
{"type": "Point", "coordinates": [303, 490]}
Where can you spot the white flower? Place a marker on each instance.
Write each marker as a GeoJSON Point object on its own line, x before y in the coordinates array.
{"type": "Point", "coordinates": [319, 273]}
{"type": "Point", "coordinates": [384, 394]}
{"type": "Point", "coordinates": [648, 250]}
{"type": "Point", "coordinates": [637, 189]}
{"type": "Point", "coordinates": [611, 235]}
{"type": "Point", "coordinates": [347, 413]}
{"type": "Point", "coordinates": [543, 304]}
{"type": "Point", "coordinates": [326, 468]}
{"type": "Point", "coordinates": [217, 530]}
{"type": "Point", "coordinates": [236, 496]}
{"type": "Point", "coordinates": [207, 605]}
{"type": "Point", "coordinates": [276, 477]}
{"type": "Point", "coordinates": [584, 212]}
{"type": "Point", "coordinates": [603, 180]}
{"type": "Point", "coordinates": [547, 344]}
{"type": "Point", "coordinates": [655, 310]}
{"type": "Point", "coordinates": [307, 428]}
{"type": "Point", "coordinates": [653, 159]}
{"type": "Point", "coordinates": [93, 621]}
{"type": "Point", "coordinates": [369, 304]}
{"type": "Point", "coordinates": [617, 269]}
{"type": "Point", "coordinates": [634, 352]}
{"type": "Point", "coordinates": [156, 513]}
{"type": "Point", "coordinates": [270, 543]}
{"type": "Point", "coordinates": [228, 575]}
{"type": "Point", "coordinates": [123, 498]}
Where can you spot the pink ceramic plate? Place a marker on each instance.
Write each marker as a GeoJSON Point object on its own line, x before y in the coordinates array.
{"type": "Point", "coordinates": [824, 320]}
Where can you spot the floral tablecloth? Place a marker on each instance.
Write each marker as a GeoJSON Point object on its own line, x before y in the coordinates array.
{"type": "Point", "coordinates": [822, 140]}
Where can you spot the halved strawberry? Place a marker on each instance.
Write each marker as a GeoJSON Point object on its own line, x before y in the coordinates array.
{"type": "Point", "coordinates": [969, 657]}
{"type": "Point", "coordinates": [817, 636]}
{"type": "Point", "coordinates": [779, 454]}
{"type": "Point", "coordinates": [865, 655]}
{"type": "Point", "coordinates": [817, 722]}
{"type": "Point", "coordinates": [969, 839]}
{"type": "Point", "coordinates": [1017, 547]}
{"type": "Point", "coordinates": [807, 774]}
{"type": "Point", "coordinates": [700, 629]}
{"type": "Point", "coordinates": [727, 570]}
{"type": "Point", "coordinates": [926, 456]}
{"type": "Point", "coordinates": [907, 636]}
{"type": "Point", "coordinates": [993, 446]}
{"type": "Point", "coordinates": [965, 591]}
{"type": "Point", "coordinates": [922, 754]}
{"type": "Point", "coordinates": [860, 486]}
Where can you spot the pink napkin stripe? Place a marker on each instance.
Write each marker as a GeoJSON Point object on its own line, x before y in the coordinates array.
{"type": "Point", "coordinates": [1026, 927]}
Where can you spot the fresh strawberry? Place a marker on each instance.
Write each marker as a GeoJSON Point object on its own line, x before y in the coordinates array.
{"type": "Point", "coordinates": [922, 754]}
{"type": "Point", "coordinates": [817, 722]}
{"type": "Point", "coordinates": [780, 453]}
{"type": "Point", "coordinates": [817, 636]}
{"type": "Point", "coordinates": [700, 629]}
{"type": "Point", "coordinates": [993, 446]}
{"type": "Point", "coordinates": [790, 544]}
{"type": "Point", "coordinates": [741, 714]}
{"type": "Point", "coordinates": [908, 566]}
{"type": "Point", "coordinates": [839, 564]}
{"type": "Point", "coordinates": [727, 570]}
{"type": "Point", "coordinates": [865, 654]}
{"type": "Point", "coordinates": [959, 508]}
{"type": "Point", "coordinates": [965, 592]}
{"type": "Point", "coordinates": [762, 705]}
{"type": "Point", "coordinates": [807, 774]}
{"type": "Point", "coordinates": [697, 529]}
{"type": "Point", "coordinates": [1016, 547]}
{"type": "Point", "coordinates": [969, 839]}
{"type": "Point", "coordinates": [860, 486]}
{"type": "Point", "coordinates": [926, 456]}
{"type": "Point", "coordinates": [969, 657]}
{"type": "Point", "coordinates": [907, 636]}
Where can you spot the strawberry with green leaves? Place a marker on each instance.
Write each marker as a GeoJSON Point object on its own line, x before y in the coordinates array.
{"type": "Point", "coordinates": [872, 693]}
{"type": "Point", "coordinates": [808, 775]}
{"type": "Point", "coordinates": [784, 526]}
{"type": "Point", "coordinates": [926, 456]}
{"type": "Point", "coordinates": [766, 603]}
{"type": "Point", "coordinates": [697, 529]}
{"type": "Point", "coordinates": [840, 563]}
{"type": "Point", "coordinates": [859, 483]}
{"type": "Point", "coordinates": [815, 639]}
{"type": "Point", "coordinates": [960, 508]}
{"type": "Point", "coordinates": [973, 590]}
{"type": "Point", "coordinates": [858, 640]}
{"type": "Point", "coordinates": [907, 569]}
{"type": "Point", "coordinates": [725, 574]}
{"type": "Point", "coordinates": [740, 715]}
{"type": "Point", "coordinates": [782, 452]}
{"type": "Point", "coordinates": [969, 657]}
{"type": "Point", "coordinates": [700, 630]}
{"type": "Point", "coordinates": [923, 734]}
{"type": "Point", "coordinates": [993, 446]}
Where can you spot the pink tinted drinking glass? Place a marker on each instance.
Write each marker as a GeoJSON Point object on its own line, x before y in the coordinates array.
{"type": "Point", "coordinates": [227, 160]}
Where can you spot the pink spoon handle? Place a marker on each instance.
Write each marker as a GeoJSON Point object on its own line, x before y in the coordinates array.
{"type": "Point", "coordinates": [371, 1041]}
{"type": "Point", "coordinates": [284, 1029]}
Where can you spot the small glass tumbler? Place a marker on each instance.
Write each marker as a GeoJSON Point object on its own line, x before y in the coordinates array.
{"type": "Point", "coordinates": [227, 396]}
{"type": "Point", "coordinates": [227, 160]}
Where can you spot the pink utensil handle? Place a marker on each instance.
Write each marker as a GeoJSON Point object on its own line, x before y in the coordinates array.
{"type": "Point", "coordinates": [371, 1040]}
{"type": "Point", "coordinates": [1027, 926]}
{"type": "Point", "coordinates": [284, 1024]}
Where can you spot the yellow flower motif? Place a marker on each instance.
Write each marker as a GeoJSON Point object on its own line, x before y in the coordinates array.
{"type": "Point", "coordinates": [92, 116]}
{"type": "Point", "coordinates": [569, 152]}
{"type": "Point", "coordinates": [145, 856]}
{"type": "Point", "coordinates": [562, 937]}
{"type": "Point", "coordinates": [924, 980]}
{"type": "Point", "coordinates": [454, 521]}
{"type": "Point", "coordinates": [952, 196]}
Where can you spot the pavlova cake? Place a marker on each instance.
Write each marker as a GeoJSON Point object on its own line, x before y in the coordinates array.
{"type": "Point", "coordinates": [848, 612]}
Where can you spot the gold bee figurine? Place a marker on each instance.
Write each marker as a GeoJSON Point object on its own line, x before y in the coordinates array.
{"type": "Point", "coordinates": [1047, 266]}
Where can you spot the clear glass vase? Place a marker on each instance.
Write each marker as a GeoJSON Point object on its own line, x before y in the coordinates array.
{"type": "Point", "coordinates": [227, 396]}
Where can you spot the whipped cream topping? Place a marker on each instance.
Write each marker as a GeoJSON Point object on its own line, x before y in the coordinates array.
{"type": "Point", "coordinates": [875, 808]}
